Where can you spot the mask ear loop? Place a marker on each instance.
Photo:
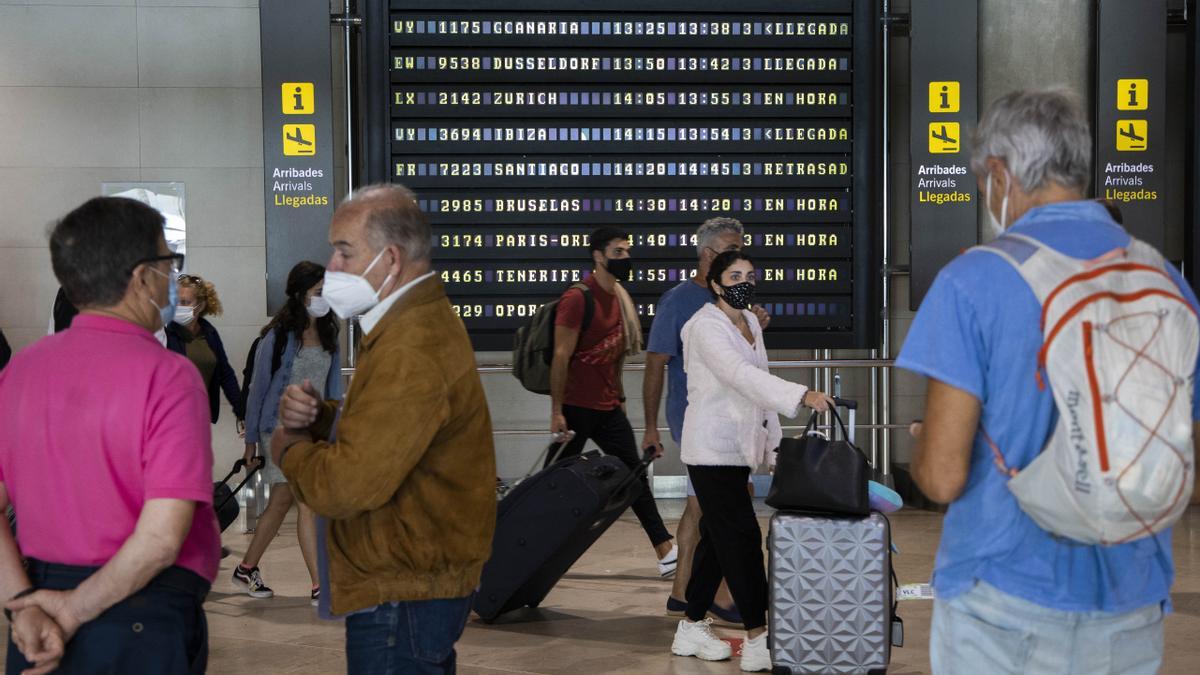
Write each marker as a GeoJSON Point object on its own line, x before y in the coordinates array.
{"type": "Point", "coordinates": [1003, 219]}
{"type": "Point", "coordinates": [1004, 202]}
{"type": "Point", "coordinates": [154, 269]}
{"type": "Point", "coordinates": [987, 194]}
{"type": "Point", "coordinates": [386, 279]}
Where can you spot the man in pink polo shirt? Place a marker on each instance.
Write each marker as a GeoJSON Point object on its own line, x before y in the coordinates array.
{"type": "Point", "coordinates": [107, 461]}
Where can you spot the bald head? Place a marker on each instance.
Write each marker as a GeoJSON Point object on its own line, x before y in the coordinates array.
{"type": "Point", "coordinates": [391, 217]}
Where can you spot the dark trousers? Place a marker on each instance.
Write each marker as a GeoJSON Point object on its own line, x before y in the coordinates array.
{"type": "Point", "coordinates": [161, 629]}
{"type": "Point", "coordinates": [730, 545]}
{"type": "Point", "coordinates": [406, 638]}
{"type": "Point", "coordinates": [613, 433]}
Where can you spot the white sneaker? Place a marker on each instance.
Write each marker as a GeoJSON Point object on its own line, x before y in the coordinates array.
{"type": "Point", "coordinates": [756, 656]}
{"type": "Point", "coordinates": [697, 639]}
{"type": "Point", "coordinates": [668, 563]}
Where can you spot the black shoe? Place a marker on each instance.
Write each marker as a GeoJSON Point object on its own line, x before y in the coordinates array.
{"type": "Point", "coordinates": [250, 580]}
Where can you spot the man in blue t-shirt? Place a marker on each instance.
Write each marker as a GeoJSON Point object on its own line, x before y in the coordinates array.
{"type": "Point", "coordinates": [665, 348]}
{"type": "Point", "coordinates": [1011, 597]}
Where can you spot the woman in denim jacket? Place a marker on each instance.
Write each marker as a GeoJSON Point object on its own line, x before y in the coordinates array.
{"type": "Point", "coordinates": [300, 343]}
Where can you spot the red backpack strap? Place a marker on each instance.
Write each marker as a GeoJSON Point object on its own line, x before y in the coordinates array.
{"type": "Point", "coordinates": [997, 457]}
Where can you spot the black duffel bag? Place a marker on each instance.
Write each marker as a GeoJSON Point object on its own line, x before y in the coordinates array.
{"type": "Point", "coordinates": [816, 475]}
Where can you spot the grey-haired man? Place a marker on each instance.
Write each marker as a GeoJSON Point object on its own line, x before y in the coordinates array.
{"type": "Point", "coordinates": [1012, 597]}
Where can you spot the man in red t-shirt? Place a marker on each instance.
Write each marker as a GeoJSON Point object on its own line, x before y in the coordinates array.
{"type": "Point", "coordinates": [586, 393]}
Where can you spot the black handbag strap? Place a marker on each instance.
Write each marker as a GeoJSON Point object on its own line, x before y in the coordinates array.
{"type": "Point", "coordinates": [812, 426]}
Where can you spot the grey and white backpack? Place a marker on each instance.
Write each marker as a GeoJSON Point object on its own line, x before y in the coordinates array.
{"type": "Point", "coordinates": [1119, 352]}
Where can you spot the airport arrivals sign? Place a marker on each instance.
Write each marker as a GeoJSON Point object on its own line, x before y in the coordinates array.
{"type": "Point", "coordinates": [297, 136]}
{"type": "Point", "coordinates": [943, 52]}
{"type": "Point", "coordinates": [1131, 113]}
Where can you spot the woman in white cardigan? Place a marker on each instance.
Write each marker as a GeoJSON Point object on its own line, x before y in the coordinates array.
{"type": "Point", "coordinates": [731, 425]}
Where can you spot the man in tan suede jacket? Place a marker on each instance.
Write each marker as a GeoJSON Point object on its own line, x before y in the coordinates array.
{"type": "Point", "coordinates": [408, 486]}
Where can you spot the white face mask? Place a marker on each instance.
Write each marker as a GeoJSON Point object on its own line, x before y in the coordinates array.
{"type": "Point", "coordinates": [185, 315]}
{"type": "Point", "coordinates": [318, 306]}
{"type": "Point", "coordinates": [351, 294]}
{"type": "Point", "coordinates": [997, 227]}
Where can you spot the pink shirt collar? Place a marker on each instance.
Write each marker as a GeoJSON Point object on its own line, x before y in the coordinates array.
{"type": "Point", "coordinates": [109, 324]}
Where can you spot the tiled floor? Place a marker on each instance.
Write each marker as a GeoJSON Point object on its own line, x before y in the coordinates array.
{"type": "Point", "coordinates": [605, 617]}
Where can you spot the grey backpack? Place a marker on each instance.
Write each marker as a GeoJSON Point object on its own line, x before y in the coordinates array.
{"type": "Point", "coordinates": [1119, 350]}
{"type": "Point", "coordinates": [533, 349]}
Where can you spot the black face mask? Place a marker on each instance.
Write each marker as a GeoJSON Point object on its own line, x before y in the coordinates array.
{"type": "Point", "coordinates": [739, 296]}
{"type": "Point", "coordinates": [620, 268]}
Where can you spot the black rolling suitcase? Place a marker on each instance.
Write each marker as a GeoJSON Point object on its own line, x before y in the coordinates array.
{"type": "Point", "coordinates": [224, 502]}
{"type": "Point", "coordinates": [546, 522]}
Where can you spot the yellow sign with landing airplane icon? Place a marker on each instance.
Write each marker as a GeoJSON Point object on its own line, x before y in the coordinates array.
{"type": "Point", "coordinates": [1132, 135]}
{"type": "Point", "coordinates": [944, 138]}
{"type": "Point", "coordinates": [300, 140]}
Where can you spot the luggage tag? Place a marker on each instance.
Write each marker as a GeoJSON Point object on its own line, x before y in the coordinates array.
{"type": "Point", "coordinates": [915, 592]}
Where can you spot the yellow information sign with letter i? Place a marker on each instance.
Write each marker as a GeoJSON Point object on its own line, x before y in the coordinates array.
{"type": "Point", "coordinates": [298, 98]}
{"type": "Point", "coordinates": [1133, 94]}
{"type": "Point", "coordinates": [943, 97]}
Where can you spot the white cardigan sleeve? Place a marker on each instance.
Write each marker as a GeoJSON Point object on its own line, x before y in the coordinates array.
{"type": "Point", "coordinates": [718, 353]}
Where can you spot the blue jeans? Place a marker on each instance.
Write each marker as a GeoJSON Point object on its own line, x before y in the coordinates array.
{"type": "Point", "coordinates": [413, 638]}
{"type": "Point", "coordinates": [985, 631]}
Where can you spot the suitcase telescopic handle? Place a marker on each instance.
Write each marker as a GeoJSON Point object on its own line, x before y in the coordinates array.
{"type": "Point", "coordinates": [619, 493]}
{"type": "Point", "coordinates": [849, 404]}
{"type": "Point", "coordinates": [237, 466]}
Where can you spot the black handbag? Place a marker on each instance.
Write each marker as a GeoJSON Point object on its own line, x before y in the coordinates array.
{"type": "Point", "coordinates": [816, 475]}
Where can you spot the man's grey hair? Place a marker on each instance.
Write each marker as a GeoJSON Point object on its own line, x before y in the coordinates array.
{"type": "Point", "coordinates": [393, 217]}
{"type": "Point", "coordinates": [715, 227]}
{"type": "Point", "coordinates": [1043, 136]}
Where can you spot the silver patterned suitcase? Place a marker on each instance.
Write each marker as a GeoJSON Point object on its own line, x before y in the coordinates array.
{"type": "Point", "coordinates": [831, 594]}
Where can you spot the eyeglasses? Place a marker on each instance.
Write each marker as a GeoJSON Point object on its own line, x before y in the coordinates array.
{"type": "Point", "coordinates": [190, 279]}
{"type": "Point", "coordinates": [175, 258]}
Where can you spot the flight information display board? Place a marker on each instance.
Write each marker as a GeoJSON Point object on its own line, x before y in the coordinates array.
{"type": "Point", "coordinates": [523, 126]}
